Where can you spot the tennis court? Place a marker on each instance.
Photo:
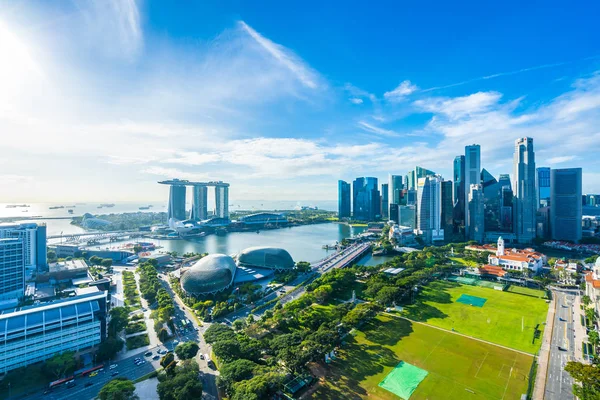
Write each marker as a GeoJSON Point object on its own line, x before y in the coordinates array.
{"type": "Point", "coordinates": [463, 280]}
{"type": "Point", "coordinates": [471, 300]}
{"type": "Point", "coordinates": [403, 380]}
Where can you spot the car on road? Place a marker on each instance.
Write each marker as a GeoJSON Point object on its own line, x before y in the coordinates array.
{"type": "Point", "coordinates": [115, 373]}
{"type": "Point", "coordinates": [156, 357]}
{"type": "Point", "coordinates": [88, 384]}
{"type": "Point", "coordinates": [561, 348]}
{"type": "Point", "coordinates": [561, 319]}
{"type": "Point", "coordinates": [148, 353]}
{"type": "Point", "coordinates": [201, 356]}
{"type": "Point", "coordinates": [113, 366]}
{"type": "Point", "coordinates": [93, 374]}
{"type": "Point", "coordinates": [70, 384]}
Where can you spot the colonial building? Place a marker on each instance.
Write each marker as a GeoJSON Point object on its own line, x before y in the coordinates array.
{"type": "Point", "coordinates": [592, 285]}
{"type": "Point", "coordinates": [516, 259]}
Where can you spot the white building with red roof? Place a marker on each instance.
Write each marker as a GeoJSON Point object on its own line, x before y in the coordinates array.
{"type": "Point", "coordinates": [592, 285]}
{"type": "Point", "coordinates": [517, 259]}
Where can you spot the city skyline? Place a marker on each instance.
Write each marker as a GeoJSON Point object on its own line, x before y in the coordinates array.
{"type": "Point", "coordinates": [270, 111]}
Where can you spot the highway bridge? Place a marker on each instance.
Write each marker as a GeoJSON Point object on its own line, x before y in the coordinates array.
{"type": "Point", "coordinates": [96, 237]}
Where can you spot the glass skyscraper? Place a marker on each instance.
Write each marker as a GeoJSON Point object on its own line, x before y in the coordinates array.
{"type": "Point", "coordinates": [543, 186]}
{"type": "Point", "coordinates": [177, 203]}
{"type": "Point", "coordinates": [525, 198]}
{"type": "Point", "coordinates": [429, 209]}
{"type": "Point", "coordinates": [565, 204]}
{"type": "Point", "coordinates": [472, 177]}
{"type": "Point", "coordinates": [365, 199]}
{"type": "Point", "coordinates": [384, 200]}
{"type": "Point", "coordinates": [344, 200]}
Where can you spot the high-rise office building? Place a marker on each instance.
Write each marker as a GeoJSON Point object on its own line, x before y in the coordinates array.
{"type": "Point", "coordinates": [176, 203]}
{"type": "Point", "coordinates": [429, 208]}
{"type": "Point", "coordinates": [32, 334]}
{"type": "Point", "coordinates": [459, 187]}
{"type": "Point", "coordinates": [384, 201]}
{"type": "Point", "coordinates": [365, 199]}
{"type": "Point", "coordinates": [565, 204]}
{"type": "Point", "coordinates": [475, 214]}
{"type": "Point", "coordinates": [447, 210]}
{"type": "Point", "coordinates": [542, 177]}
{"type": "Point", "coordinates": [524, 196]}
{"type": "Point", "coordinates": [12, 271]}
{"type": "Point", "coordinates": [411, 197]}
{"type": "Point", "coordinates": [472, 177]}
{"type": "Point", "coordinates": [506, 210]}
{"type": "Point", "coordinates": [492, 199]}
{"type": "Point", "coordinates": [395, 187]}
{"type": "Point", "coordinates": [414, 175]}
{"type": "Point", "coordinates": [34, 242]}
{"type": "Point", "coordinates": [344, 199]}
{"type": "Point", "coordinates": [222, 201]}
{"type": "Point", "coordinates": [407, 216]}
{"type": "Point", "coordinates": [394, 213]}
{"type": "Point", "coordinates": [199, 203]}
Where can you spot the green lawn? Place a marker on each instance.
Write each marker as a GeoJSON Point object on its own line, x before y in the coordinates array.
{"type": "Point", "coordinates": [459, 368]}
{"type": "Point", "coordinates": [527, 291]}
{"type": "Point", "coordinates": [506, 318]}
{"type": "Point", "coordinates": [464, 262]}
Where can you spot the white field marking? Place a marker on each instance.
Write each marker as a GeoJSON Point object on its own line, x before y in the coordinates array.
{"type": "Point", "coordinates": [435, 347]}
{"type": "Point", "coordinates": [481, 365]}
{"type": "Point", "coordinates": [508, 380]}
{"type": "Point", "coordinates": [522, 323]}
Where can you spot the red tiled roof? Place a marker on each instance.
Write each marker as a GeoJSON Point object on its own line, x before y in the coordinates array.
{"type": "Point", "coordinates": [492, 270]}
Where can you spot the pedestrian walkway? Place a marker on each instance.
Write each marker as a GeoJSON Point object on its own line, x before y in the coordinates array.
{"type": "Point", "coordinates": [544, 354]}
{"type": "Point", "coordinates": [580, 332]}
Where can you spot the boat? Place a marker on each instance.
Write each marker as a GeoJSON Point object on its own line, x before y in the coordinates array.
{"type": "Point", "coordinates": [107, 205]}
{"type": "Point", "coordinates": [70, 211]}
{"type": "Point", "coordinates": [55, 207]}
{"type": "Point", "coordinates": [144, 208]}
{"type": "Point", "coordinates": [16, 205]}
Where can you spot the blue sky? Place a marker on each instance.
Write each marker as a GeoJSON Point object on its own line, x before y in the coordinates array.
{"type": "Point", "coordinates": [100, 99]}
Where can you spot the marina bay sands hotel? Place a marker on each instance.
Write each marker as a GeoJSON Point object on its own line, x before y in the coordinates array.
{"type": "Point", "coordinates": [199, 211]}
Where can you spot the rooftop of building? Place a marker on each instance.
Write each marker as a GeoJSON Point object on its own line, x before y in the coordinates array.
{"type": "Point", "coordinates": [589, 278]}
{"type": "Point", "coordinates": [492, 270]}
{"type": "Point", "coordinates": [53, 304]}
{"type": "Point", "coordinates": [70, 265]}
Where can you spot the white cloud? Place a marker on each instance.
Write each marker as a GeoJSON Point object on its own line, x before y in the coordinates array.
{"type": "Point", "coordinates": [401, 91]}
{"type": "Point", "coordinates": [287, 58]}
{"type": "Point", "coordinates": [375, 129]}
{"type": "Point", "coordinates": [174, 173]}
{"type": "Point", "coordinates": [459, 107]}
{"type": "Point", "coordinates": [560, 159]}
{"type": "Point", "coordinates": [356, 100]}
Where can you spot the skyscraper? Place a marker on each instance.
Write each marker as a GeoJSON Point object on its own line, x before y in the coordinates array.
{"type": "Point", "coordinates": [447, 210]}
{"type": "Point", "coordinates": [525, 199]}
{"type": "Point", "coordinates": [199, 203]}
{"type": "Point", "coordinates": [222, 201]}
{"type": "Point", "coordinates": [176, 203]}
{"type": "Point", "coordinates": [12, 271]}
{"type": "Point", "coordinates": [344, 200]}
{"type": "Point", "coordinates": [472, 176]}
{"type": "Point", "coordinates": [407, 216]}
{"type": "Point", "coordinates": [492, 199]}
{"type": "Point", "coordinates": [384, 201]}
{"type": "Point", "coordinates": [565, 204]}
{"type": "Point", "coordinates": [429, 208]}
{"type": "Point", "coordinates": [395, 187]}
{"type": "Point", "coordinates": [365, 199]}
{"type": "Point", "coordinates": [34, 242]}
{"type": "Point", "coordinates": [543, 186]}
{"type": "Point", "coordinates": [475, 215]}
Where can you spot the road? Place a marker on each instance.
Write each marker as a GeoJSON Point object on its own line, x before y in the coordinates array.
{"type": "Point", "coordinates": [195, 333]}
{"type": "Point", "coordinates": [125, 367]}
{"type": "Point", "coordinates": [559, 383]}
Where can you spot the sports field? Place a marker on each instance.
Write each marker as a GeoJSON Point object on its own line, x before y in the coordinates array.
{"type": "Point", "coordinates": [457, 367]}
{"type": "Point", "coordinates": [506, 318]}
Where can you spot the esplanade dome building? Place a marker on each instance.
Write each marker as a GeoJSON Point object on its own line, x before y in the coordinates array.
{"type": "Point", "coordinates": [266, 257]}
{"type": "Point", "coordinates": [209, 275]}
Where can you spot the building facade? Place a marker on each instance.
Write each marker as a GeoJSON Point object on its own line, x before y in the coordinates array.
{"type": "Point", "coordinates": [365, 199]}
{"type": "Point", "coordinates": [542, 176]}
{"type": "Point", "coordinates": [458, 178]}
{"type": "Point", "coordinates": [34, 242]}
{"type": "Point", "coordinates": [516, 259]}
{"type": "Point", "coordinates": [199, 203]}
{"type": "Point", "coordinates": [176, 203]}
{"type": "Point", "coordinates": [12, 271]}
{"type": "Point", "coordinates": [395, 187]}
{"type": "Point", "coordinates": [565, 204]}
{"type": "Point", "coordinates": [525, 199]}
{"type": "Point", "coordinates": [36, 333]}
{"type": "Point", "coordinates": [429, 209]}
{"type": "Point", "coordinates": [472, 177]}
{"type": "Point", "coordinates": [475, 221]}
{"type": "Point", "coordinates": [447, 210]}
{"type": "Point", "coordinates": [344, 199]}
{"type": "Point", "coordinates": [384, 207]}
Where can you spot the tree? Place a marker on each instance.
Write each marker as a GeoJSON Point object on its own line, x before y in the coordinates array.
{"type": "Point", "coordinates": [167, 360]}
{"type": "Point", "coordinates": [107, 263]}
{"type": "Point", "coordinates": [109, 348]}
{"type": "Point", "coordinates": [586, 300]}
{"type": "Point", "coordinates": [218, 332]}
{"type": "Point", "coordinates": [588, 376]}
{"type": "Point", "coordinates": [322, 293]}
{"type": "Point", "coordinates": [163, 334]}
{"type": "Point", "coordinates": [182, 384]}
{"type": "Point", "coordinates": [227, 350]}
{"type": "Point", "coordinates": [187, 350]}
{"type": "Point", "coordinates": [118, 389]}
{"type": "Point", "coordinates": [239, 324]}
{"type": "Point", "coordinates": [594, 338]}
{"type": "Point", "coordinates": [590, 313]}
{"type": "Point", "coordinates": [51, 255]}
{"type": "Point", "coordinates": [60, 365]}
{"type": "Point", "coordinates": [137, 248]}
{"type": "Point", "coordinates": [119, 318]}
{"type": "Point", "coordinates": [235, 371]}
{"type": "Point", "coordinates": [260, 387]}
